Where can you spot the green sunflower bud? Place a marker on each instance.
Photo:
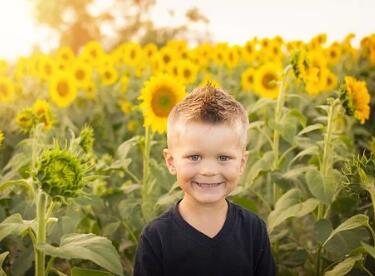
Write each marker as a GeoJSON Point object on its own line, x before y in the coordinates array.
{"type": "Point", "coordinates": [60, 173]}
{"type": "Point", "coordinates": [87, 139]}
{"type": "Point", "coordinates": [359, 171]}
{"type": "Point", "coordinates": [26, 120]}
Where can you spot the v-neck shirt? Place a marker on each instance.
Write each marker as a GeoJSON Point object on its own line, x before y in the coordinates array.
{"type": "Point", "coordinates": [169, 245]}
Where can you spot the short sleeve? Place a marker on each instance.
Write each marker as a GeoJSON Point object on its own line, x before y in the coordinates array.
{"type": "Point", "coordinates": [147, 262]}
{"type": "Point", "coordinates": [265, 264]}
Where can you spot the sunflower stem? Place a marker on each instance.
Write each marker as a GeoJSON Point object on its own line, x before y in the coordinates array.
{"type": "Point", "coordinates": [41, 232]}
{"type": "Point", "coordinates": [276, 133]}
{"type": "Point", "coordinates": [146, 206]}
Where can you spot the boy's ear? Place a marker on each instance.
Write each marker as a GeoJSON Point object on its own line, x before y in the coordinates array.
{"type": "Point", "coordinates": [169, 161]}
{"type": "Point", "coordinates": [245, 155]}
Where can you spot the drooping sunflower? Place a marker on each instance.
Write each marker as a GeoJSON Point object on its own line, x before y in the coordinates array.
{"type": "Point", "coordinates": [159, 95]}
{"type": "Point", "coordinates": [63, 89]}
{"type": "Point", "coordinates": [7, 93]}
{"type": "Point", "coordinates": [355, 98]}
{"type": "Point", "coordinates": [333, 53]}
{"type": "Point", "coordinates": [266, 80]}
{"type": "Point", "coordinates": [43, 113]}
{"type": "Point", "coordinates": [247, 79]}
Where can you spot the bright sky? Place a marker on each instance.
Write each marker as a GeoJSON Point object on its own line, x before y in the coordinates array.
{"type": "Point", "coordinates": [234, 21]}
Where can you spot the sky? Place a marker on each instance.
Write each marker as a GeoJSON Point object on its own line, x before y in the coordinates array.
{"type": "Point", "coordinates": [233, 21]}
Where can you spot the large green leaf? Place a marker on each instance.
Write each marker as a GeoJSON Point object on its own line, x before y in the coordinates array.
{"type": "Point", "coordinates": [88, 247]}
{"type": "Point", "coordinates": [14, 224]}
{"type": "Point", "coordinates": [350, 223]}
{"type": "Point", "coordinates": [343, 267]}
{"type": "Point", "coordinates": [289, 205]}
{"type": "Point", "coordinates": [322, 188]}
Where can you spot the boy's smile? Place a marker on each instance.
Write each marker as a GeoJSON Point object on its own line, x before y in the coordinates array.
{"type": "Point", "coordinates": [207, 159]}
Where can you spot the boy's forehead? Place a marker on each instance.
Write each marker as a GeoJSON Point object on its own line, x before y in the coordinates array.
{"type": "Point", "coordinates": [186, 133]}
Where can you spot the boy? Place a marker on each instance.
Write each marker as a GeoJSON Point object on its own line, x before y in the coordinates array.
{"type": "Point", "coordinates": [205, 234]}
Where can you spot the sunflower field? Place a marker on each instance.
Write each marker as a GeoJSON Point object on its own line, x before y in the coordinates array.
{"type": "Point", "coordinates": [81, 139]}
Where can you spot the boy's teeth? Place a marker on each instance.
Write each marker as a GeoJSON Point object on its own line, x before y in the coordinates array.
{"type": "Point", "coordinates": [207, 185]}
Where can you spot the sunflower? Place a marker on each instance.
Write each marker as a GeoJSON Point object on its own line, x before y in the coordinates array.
{"type": "Point", "coordinates": [333, 53]}
{"type": "Point", "coordinates": [355, 98]}
{"type": "Point", "coordinates": [108, 75]}
{"type": "Point", "coordinates": [26, 120]}
{"type": "Point", "coordinates": [247, 79]}
{"type": "Point", "coordinates": [208, 78]}
{"type": "Point", "coordinates": [7, 91]}
{"type": "Point", "coordinates": [1, 137]}
{"type": "Point", "coordinates": [47, 67]}
{"type": "Point", "coordinates": [187, 71]}
{"type": "Point", "coordinates": [65, 55]}
{"type": "Point", "coordinates": [149, 50]}
{"type": "Point", "coordinates": [249, 51]}
{"type": "Point", "coordinates": [43, 113]}
{"type": "Point", "coordinates": [133, 53]}
{"type": "Point", "coordinates": [125, 106]}
{"type": "Point", "coordinates": [124, 83]}
{"type": "Point", "coordinates": [266, 80]}
{"type": "Point", "coordinates": [82, 73]}
{"type": "Point", "coordinates": [159, 95]}
{"type": "Point", "coordinates": [22, 68]}
{"type": "Point", "coordinates": [90, 91]}
{"type": "Point", "coordinates": [62, 89]}
{"type": "Point", "coordinates": [93, 53]}
{"type": "Point", "coordinates": [232, 57]}
{"type": "Point", "coordinates": [330, 81]}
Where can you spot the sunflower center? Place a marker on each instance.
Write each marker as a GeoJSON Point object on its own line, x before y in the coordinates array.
{"type": "Point", "coordinates": [268, 81]}
{"type": "Point", "coordinates": [187, 73]}
{"type": "Point", "coordinates": [48, 69]}
{"type": "Point", "coordinates": [166, 59]}
{"type": "Point", "coordinates": [107, 75]}
{"type": "Point", "coordinates": [62, 88]}
{"type": "Point", "coordinates": [80, 75]}
{"type": "Point", "coordinates": [163, 102]}
{"type": "Point", "coordinates": [250, 79]}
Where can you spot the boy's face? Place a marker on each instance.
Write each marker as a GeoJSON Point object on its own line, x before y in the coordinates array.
{"type": "Point", "coordinates": [207, 159]}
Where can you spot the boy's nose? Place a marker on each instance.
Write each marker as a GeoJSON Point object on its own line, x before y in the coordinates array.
{"type": "Point", "coordinates": [208, 168]}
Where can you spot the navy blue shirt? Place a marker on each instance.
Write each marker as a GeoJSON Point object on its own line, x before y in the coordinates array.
{"type": "Point", "coordinates": [170, 246]}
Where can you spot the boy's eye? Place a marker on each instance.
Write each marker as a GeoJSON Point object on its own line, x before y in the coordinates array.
{"type": "Point", "coordinates": [194, 157]}
{"type": "Point", "coordinates": [223, 158]}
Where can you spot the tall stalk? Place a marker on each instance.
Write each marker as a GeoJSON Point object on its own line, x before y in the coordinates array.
{"type": "Point", "coordinates": [276, 134]}
{"type": "Point", "coordinates": [41, 235]}
{"type": "Point", "coordinates": [146, 204]}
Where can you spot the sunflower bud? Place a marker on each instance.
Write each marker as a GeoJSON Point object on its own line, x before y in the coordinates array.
{"type": "Point", "coordinates": [355, 98]}
{"type": "Point", "coordinates": [60, 173]}
{"type": "Point", "coordinates": [87, 139]}
{"type": "Point", "coordinates": [360, 171]}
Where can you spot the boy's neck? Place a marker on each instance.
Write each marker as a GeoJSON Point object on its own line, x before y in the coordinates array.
{"type": "Point", "coordinates": [189, 208]}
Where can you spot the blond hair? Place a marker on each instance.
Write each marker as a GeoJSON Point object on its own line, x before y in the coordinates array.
{"type": "Point", "coordinates": [212, 105]}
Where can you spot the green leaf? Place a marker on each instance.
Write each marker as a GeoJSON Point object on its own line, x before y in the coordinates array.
{"type": "Point", "coordinates": [260, 104]}
{"type": "Point", "coordinates": [310, 129]}
{"type": "Point", "coordinates": [2, 259]}
{"type": "Point", "coordinates": [322, 188]}
{"type": "Point", "coordinates": [344, 267]}
{"type": "Point", "coordinates": [369, 249]}
{"type": "Point", "coordinates": [350, 223]}
{"type": "Point", "coordinates": [14, 224]}
{"type": "Point", "coordinates": [322, 229]}
{"type": "Point", "coordinates": [289, 206]}
{"type": "Point", "coordinates": [263, 164]}
{"type": "Point", "coordinates": [76, 271]}
{"type": "Point", "coordinates": [312, 150]}
{"type": "Point", "coordinates": [88, 247]}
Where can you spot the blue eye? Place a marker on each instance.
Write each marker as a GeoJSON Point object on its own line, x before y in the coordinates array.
{"type": "Point", "coordinates": [223, 158]}
{"type": "Point", "coordinates": [194, 157]}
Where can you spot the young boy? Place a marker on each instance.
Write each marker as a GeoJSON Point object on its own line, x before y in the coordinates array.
{"type": "Point", "coordinates": [205, 234]}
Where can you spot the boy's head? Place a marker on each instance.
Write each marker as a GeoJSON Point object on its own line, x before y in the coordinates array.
{"type": "Point", "coordinates": [207, 138]}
